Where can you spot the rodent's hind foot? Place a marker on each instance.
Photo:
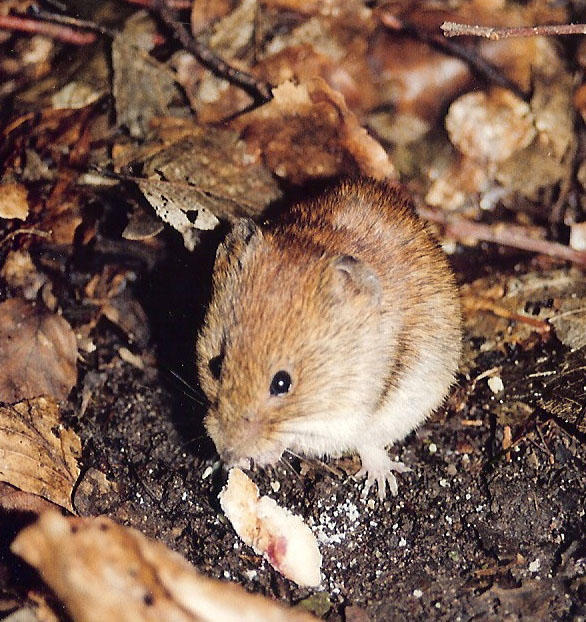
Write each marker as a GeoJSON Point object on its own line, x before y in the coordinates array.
{"type": "Point", "coordinates": [377, 467]}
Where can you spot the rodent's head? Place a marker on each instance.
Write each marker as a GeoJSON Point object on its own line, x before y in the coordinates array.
{"type": "Point", "coordinates": [289, 344]}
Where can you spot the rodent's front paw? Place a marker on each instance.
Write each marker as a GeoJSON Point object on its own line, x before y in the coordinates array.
{"type": "Point", "coordinates": [378, 467]}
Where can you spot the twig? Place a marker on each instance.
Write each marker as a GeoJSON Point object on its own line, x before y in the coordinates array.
{"type": "Point", "coordinates": [75, 22]}
{"type": "Point", "coordinates": [54, 31]}
{"type": "Point", "coordinates": [13, 234]}
{"type": "Point", "coordinates": [479, 65]}
{"type": "Point", "coordinates": [453, 29]}
{"type": "Point", "coordinates": [477, 303]}
{"type": "Point", "coordinates": [177, 5]}
{"type": "Point", "coordinates": [507, 441]}
{"type": "Point", "coordinates": [463, 229]}
{"type": "Point", "coordinates": [258, 89]}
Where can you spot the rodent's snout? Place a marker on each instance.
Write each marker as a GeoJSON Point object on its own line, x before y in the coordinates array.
{"type": "Point", "coordinates": [243, 440]}
{"type": "Point", "coordinates": [230, 460]}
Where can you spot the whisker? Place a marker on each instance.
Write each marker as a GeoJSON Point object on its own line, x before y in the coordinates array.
{"type": "Point", "coordinates": [192, 392]}
{"type": "Point", "coordinates": [193, 398]}
{"type": "Point", "coordinates": [315, 462]}
{"type": "Point", "coordinates": [288, 465]}
{"type": "Point", "coordinates": [192, 440]}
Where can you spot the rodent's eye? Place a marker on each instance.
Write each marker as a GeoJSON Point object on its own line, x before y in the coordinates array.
{"type": "Point", "coordinates": [215, 366]}
{"type": "Point", "coordinates": [281, 383]}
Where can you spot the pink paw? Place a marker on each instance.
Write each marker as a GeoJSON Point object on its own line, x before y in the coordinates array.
{"type": "Point", "coordinates": [378, 468]}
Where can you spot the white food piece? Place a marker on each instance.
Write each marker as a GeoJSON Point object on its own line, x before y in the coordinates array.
{"type": "Point", "coordinates": [281, 537]}
{"type": "Point", "coordinates": [496, 384]}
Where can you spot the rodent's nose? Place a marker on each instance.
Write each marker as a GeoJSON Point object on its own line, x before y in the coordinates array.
{"type": "Point", "coordinates": [232, 459]}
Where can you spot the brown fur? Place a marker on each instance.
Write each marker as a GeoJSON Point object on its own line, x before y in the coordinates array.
{"type": "Point", "coordinates": [356, 337]}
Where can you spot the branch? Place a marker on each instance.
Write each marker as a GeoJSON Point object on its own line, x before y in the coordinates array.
{"type": "Point", "coordinates": [453, 29]}
{"type": "Point", "coordinates": [481, 67]}
{"type": "Point", "coordinates": [54, 31]}
{"type": "Point", "coordinates": [463, 229]}
{"type": "Point", "coordinates": [178, 5]}
{"type": "Point", "coordinates": [258, 89]}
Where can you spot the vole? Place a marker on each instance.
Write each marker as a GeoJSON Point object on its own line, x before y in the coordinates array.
{"type": "Point", "coordinates": [333, 328]}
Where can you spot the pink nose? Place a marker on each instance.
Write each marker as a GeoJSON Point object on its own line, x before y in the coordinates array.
{"type": "Point", "coordinates": [242, 440]}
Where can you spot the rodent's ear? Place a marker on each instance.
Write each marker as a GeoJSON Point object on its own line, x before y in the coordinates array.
{"type": "Point", "coordinates": [241, 234]}
{"type": "Point", "coordinates": [356, 278]}
{"type": "Point", "coordinates": [244, 229]}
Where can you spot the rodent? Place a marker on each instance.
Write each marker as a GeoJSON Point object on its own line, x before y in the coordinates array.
{"type": "Point", "coordinates": [333, 328]}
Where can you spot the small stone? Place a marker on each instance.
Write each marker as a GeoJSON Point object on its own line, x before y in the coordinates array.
{"type": "Point", "coordinates": [495, 384]}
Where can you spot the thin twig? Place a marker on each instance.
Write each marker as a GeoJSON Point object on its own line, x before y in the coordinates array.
{"type": "Point", "coordinates": [461, 228]}
{"type": "Point", "coordinates": [13, 234]}
{"type": "Point", "coordinates": [479, 65]}
{"type": "Point", "coordinates": [476, 303]}
{"type": "Point", "coordinates": [54, 31]}
{"type": "Point", "coordinates": [453, 29]}
{"type": "Point", "coordinates": [177, 5]}
{"type": "Point", "coordinates": [258, 89]}
{"type": "Point", "coordinates": [75, 22]}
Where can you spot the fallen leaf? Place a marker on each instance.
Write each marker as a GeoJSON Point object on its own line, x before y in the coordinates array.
{"type": "Point", "coordinates": [284, 540]}
{"type": "Point", "coordinates": [103, 571]}
{"type": "Point", "coordinates": [37, 453]}
{"type": "Point", "coordinates": [180, 205]}
{"type": "Point", "coordinates": [13, 201]}
{"type": "Point", "coordinates": [38, 352]}
{"type": "Point", "coordinates": [203, 176]}
{"type": "Point", "coordinates": [14, 500]}
{"type": "Point", "coordinates": [20, 273]}
{"type": "Point", "coordinates": [490, 126]}
{"type": "Point", "coordinates": [307, 131]}
{"type": "Point", "coordinates": [563, 394]}
{"type": "Point", "coordinates": [143, 88]}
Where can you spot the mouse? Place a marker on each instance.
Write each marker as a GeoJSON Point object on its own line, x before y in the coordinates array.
{"type": "Point", "coordinates": [333, 328]}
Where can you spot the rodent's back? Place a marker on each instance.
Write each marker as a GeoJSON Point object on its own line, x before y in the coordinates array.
{"type": "Point", "coordinates": [376, 222]}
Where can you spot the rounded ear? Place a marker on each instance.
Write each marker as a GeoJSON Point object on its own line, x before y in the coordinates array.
{"type": "Point", "coordinates": [355, 278]}
{"type": "Point", "coordinates": [240, 236]}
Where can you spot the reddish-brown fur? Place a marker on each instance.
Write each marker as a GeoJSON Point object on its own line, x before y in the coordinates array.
{"type": "Point", "coordinates": [350, 295]}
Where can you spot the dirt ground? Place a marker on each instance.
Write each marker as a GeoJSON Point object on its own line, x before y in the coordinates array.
{"type": "Point", "coordinates": [474, 534]}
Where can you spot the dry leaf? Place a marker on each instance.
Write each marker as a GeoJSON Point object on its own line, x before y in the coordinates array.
{"type": "Point", "coordinates": [13, 201]}
{"type": "Point", "coordinates": [490, 126]}
{"type": "Point", "coordinates": [143, 88]}
{"type": "Point", "coordinates": [102, 571]}
{"type": "Point", "coordinates": [205, 175]}
{"type": "Point", "coordinates": [564, 395]}
{"type": "Point", "coordinates": [38, 352]}
{"type": "Point", "coordinates": [307, 131]}
{"type": "Point", "coordinates": [37, 453]}
{"type": "Point", "coordinates": [12, 499]}
{"type": "Point", "coordinates": [230, 180]}
{"type": "Point", "coordinates": [281, 537]}
{"type": "Point", "coordinates": [20, 273]}
{"type": "Point", "coordinates": [205, 12]}
{"type": "Point", "coordinates": [180, 205]}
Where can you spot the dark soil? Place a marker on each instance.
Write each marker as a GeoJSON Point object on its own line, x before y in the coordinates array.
{"type": "Point", "coordinates": [474, 534]}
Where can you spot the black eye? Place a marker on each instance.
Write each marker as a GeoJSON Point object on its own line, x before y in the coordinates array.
{"type": "Point", "coordinates": [215, 366]}
{"type": "Point", "coordinates": [281, 383]}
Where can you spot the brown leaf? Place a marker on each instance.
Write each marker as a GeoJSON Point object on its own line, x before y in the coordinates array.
{"type": "Point", "coordinates": [143, 87]}
{"type": "Point", "coordinates": [38, 352]}
{"type": "Point", "coordinates": [490, 126]}
{"type": "Point", "coordinates": [307, 131]}
{"type": "Point", "coordinates": [103, 571]}
{"type": "Point", "coordinates": [37, 453]}
{"type": "Point", "coordinates": [12, 499]}
{"type": "Point", "coordinates": [204, 175]}
{"type": "Point", "coordinates": [13, 201]}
